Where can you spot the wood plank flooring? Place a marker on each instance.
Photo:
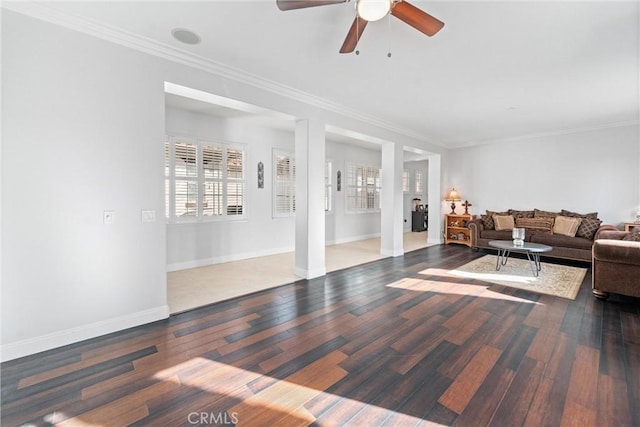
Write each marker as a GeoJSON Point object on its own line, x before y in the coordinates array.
{"type": "Point", "coordinates": [348, 349]}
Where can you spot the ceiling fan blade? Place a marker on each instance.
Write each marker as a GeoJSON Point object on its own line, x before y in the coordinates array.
{"type": "Point", "coordinates": [354, 34]}
{"type": "Point", "coordinates": [418, 19]}
{"type": "Point", "coordinates": [301, 4]}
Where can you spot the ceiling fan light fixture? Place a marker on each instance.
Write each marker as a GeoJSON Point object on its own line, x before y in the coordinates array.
{"type": "Point", "coordinates": [373, 10]}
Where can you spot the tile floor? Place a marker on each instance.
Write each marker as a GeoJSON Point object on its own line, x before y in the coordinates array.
{"type": "Point", "coordinates": [200, 286]}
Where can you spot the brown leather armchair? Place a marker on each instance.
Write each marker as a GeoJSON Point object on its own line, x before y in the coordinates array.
{"type": "Point", "coordinates": [616, 265]}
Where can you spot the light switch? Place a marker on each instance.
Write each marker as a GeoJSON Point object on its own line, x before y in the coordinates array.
{"type": "Point", "coordinates": [148, 215]}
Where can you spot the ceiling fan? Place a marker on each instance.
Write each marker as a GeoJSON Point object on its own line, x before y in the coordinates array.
{"type": "Point", "coordinates": [373, 10]}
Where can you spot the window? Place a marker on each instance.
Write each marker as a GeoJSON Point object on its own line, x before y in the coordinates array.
{"type": "Point", "coordinates": [419, 181]}
{"type": "Point", "coordinates": [203, 180]}
{"type": "Point", "coordinates": [327, 186]}
{"type": "Point", "coordinates": [363, 188]}
{"type": "Point", "coordinates": [405, 181]}
{"type": "Point", "coordinates": [284, 184]}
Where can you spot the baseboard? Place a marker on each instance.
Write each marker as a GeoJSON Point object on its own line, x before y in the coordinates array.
{"type": "Point", "coordinates": [392, 252]}
{"type": "Point", "coordinates": [352, 239]}
{"type": "Point", "coordinates": [436, 240]}
{"type": "Point", "coordinates": [248, 255]}
{"type": "Point", "coordinates": [225, 258]}
{"type": "Point", "coordinates": [310, 274]}
{"type": "Point", "coordinates": [58, 339]}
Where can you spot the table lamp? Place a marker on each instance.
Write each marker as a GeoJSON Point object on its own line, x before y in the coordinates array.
{"type": "Point", "coordinates": [453, 197]}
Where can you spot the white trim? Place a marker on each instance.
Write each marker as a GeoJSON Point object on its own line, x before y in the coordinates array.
{"type": "Point", "coordinates": [391, 253]}
{"type": "Point", "coordinates": [310, 274]}
{"type": "Point", "coordinates": [352, 239]}
{"type": "Point", "coordinates": [435, 240]}
{"type": "Point", "coordinates": [225, 258]}
{"type": "Point", "coordinates": [165, 51]}
{"type": "Point", "coordinates": [556, 132]}
{"type": "Point", "coordinates": [73, 335]}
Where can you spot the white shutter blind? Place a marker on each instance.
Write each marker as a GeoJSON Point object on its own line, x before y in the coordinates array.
{"type": "Point", "coordinates": [419, 182]}
{"type": "Point", "coordinates": [186, 175]}
{"type": "Point", "coordinates": [284, 185]}
{"type": "Point", "coordinates": [405, 181]}
{"type": "Point", "coordinates": [235, 182]}
{"type": "Point", "coordinates": [185, 157]}
{"type": "Point", "coordinates": [186, 193]}
{"type": "Point", "coordinates": [212, 194]}
{"type": "Point", "coordinates": [363, 188]}
{"type": "Point", "coordinates": [205, 180]}
{"type": "Point", "coordinates": [327, 186]}
{"type": "Point", "coordinates": [167, 178]}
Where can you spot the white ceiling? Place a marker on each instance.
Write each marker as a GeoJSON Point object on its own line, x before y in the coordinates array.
{"type": "Point", "coordinates": [496, 71]}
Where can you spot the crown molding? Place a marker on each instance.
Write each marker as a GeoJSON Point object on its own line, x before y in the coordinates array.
{"type": "Point", "coordinates": [152, 47]}
{"type": "Point", "coordinates": [558, 132]}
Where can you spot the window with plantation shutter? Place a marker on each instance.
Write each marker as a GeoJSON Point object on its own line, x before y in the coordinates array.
{"type": "Point", "coordinates": [167, 178]}
{"type": "Point", "coordinates": [327, 186]}
{"type": "Point", "coordinates": [235, 182]}
{"type": "Point", "coordinates": [363, 188]}
{"type": "Point", "coordinates": [186, 179]}
{"type": "Point", "coordinates": [405, 181]}
{"type": "Point", "coordinates": [212, 197]}
{"type": "Point", "coordinates": [419, 181]}
{"type": "Point", "coordinates": [284, 184]}
{"type": "Point", "coordinates": [203, 180]}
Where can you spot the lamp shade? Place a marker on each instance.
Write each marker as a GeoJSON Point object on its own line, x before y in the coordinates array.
{"type": "Point", "coordinates": [373, 10]}
{"type": "Point", "coordinates": [453, 196]}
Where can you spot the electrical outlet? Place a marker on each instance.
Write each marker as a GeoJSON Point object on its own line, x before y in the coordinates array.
{"type": "Point", "coordinates": [108, 217]}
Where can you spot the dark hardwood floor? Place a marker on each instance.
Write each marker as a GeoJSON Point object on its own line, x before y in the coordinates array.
{"type": "Point", "coordinates": [348, 349]}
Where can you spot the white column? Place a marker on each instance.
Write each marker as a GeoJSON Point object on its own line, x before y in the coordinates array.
{"type": "Point", "coordinates": [310, 238]}
{"type": "Point", "coordinates": [436, 230]}
{"type": "Point", "coordinates": [392, 200]}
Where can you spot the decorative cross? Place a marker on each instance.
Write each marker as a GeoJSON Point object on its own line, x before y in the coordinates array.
{"type": "Point", "coordinates": [466, 205]}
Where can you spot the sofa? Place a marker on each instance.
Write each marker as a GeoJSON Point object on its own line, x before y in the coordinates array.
{"type": "Point", "coordinates": [616, 263]}
{"type": "Point", "coordinates": [570, 234]}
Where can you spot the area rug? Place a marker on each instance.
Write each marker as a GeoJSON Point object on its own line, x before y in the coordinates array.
{"type": "Point", "coordinates": [558, 280]}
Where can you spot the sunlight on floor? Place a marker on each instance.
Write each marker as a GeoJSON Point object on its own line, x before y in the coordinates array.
{"type": "Point", "coordinates": [282, 401]}
{"type": "Point", "coordinates": [452, 288]}
{"type": "Point", "coordinates": [490, 277]}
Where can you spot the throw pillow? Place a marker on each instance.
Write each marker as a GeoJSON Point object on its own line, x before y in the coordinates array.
{"type": "Point", "coordinates": [541, 225]}
{"type": "Point", "coordinates": [521, 214]}
{"type": "Point", "coordinates": [590, 215]}
{"type": "Point", "coordinates": [537, 213]}
{"type": "Point", "coordinates": [634, 235]}
{"type": "Point", "coordinates": [588, 228]}
{"type": "Point", "coordinates": [487, 221]}
{"type": "Point", "coordinates": [489, 224]}
{"type": "Point", "coordinates": [566, 226]}
{"type": "Point", "coordinates": [503, 222]}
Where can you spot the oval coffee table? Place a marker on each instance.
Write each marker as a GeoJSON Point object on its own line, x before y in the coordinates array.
{"type": "Point", "coordinates": [533, 251]}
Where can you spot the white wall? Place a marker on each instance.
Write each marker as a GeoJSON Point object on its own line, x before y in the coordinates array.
{"type": "Point", "coordinates": [583, 172]}
{"type": "Point", "coordinates": [340, 226]}
{"type": "Point", "coordinates": [80, 136]}
{"type": "Point", "coordinates": [83, 121]}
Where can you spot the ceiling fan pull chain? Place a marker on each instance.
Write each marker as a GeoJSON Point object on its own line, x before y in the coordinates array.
{"type": "Point", "coordinates": [357, 32]}
{"type": "Point", "coordinates": [389, 34]}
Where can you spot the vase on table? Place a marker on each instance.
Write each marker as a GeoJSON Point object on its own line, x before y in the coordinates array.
{"type": "Point", "coordinates": [518, 236]}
